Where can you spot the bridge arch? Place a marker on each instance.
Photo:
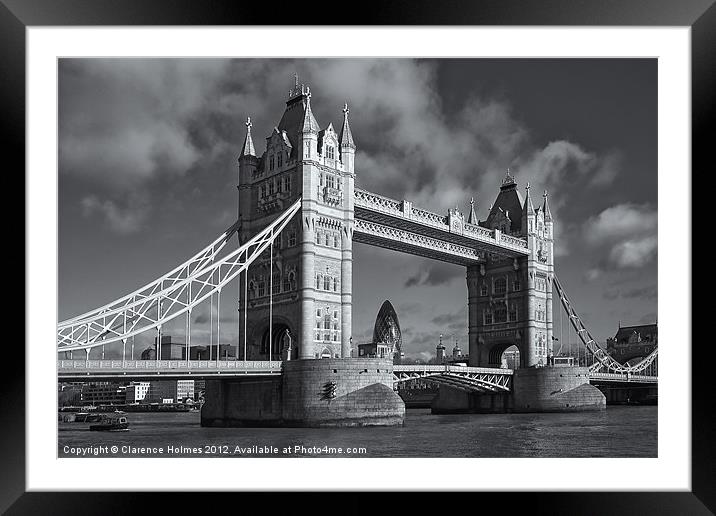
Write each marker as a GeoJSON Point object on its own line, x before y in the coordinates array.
{"type": "Point", "coordinates": [279, 339]}
{"type": "Point", "coordinates": [492, 353]}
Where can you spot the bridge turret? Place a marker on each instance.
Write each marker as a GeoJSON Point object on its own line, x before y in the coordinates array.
{"type": "Point", "coordinates": [472, 218]}
{"type": "Point", "coordinates": [248, 162]}
{"type": "Point", "coordinates": [309, 129]}
{"type": "Point", "coordinates": [548, 222]}
{"type": "Point", "coordinates": [348, 147]}
{"type": "Point", "coordinates": [529, 217]}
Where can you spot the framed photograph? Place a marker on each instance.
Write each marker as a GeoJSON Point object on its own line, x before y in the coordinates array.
{"type": "Point", "coordinates": [285, 257]}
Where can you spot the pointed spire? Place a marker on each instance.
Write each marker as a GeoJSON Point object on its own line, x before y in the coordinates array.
{"type": "Point", "coordinates": [346, 137]}
{"type": "Point", "coordinates": [545, 209]}
{"type": "Point", "coordinates": [309, 121]}
{"type": "Point", "coordinates": [472, 218]}
{"type": "Point", "coordinates": [528, 208]}
{"type": "Point", "coordinates": [248, 148]}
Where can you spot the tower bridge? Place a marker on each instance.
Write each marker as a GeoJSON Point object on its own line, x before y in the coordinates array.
{"type": "Point", "coordinates": [299, 213]}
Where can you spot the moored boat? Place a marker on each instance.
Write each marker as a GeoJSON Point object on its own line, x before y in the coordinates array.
{"type": "Point", "coordinates": [112, 424]}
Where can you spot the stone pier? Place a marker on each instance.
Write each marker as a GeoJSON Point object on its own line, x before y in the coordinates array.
{"type": "Point", "coordinates": [534, 389]}
{"type": "Point", "coordinates": [309, 393]}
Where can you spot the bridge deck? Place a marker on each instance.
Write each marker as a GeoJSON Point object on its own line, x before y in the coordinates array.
{"type": "Point", "coordinates": [69, 370]}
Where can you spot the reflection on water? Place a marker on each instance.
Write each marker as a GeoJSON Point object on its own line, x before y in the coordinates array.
{"type": "Point", "coordinates": [617, 432]}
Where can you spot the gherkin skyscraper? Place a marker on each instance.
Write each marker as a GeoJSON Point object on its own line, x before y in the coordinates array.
{"type": "Point", "coordinates": [387, 327]}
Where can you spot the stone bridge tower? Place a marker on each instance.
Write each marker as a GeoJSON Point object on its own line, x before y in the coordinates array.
{"type": "Point", "coordinates": [510, 300]}
{"type": "Point", "coordinates": [312, 259]}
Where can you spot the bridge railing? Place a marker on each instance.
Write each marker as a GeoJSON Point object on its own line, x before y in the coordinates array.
{"type": "Point", "coordinates": [478, 231]}
{"type": "Point", "coordinates": [437, 368]}
{"type": "Point", "coordinates": [167, 365]}
{"type": "Point", "coordinates": [513, 241]}
{"type": "Point", "coordinates": [624, 377]}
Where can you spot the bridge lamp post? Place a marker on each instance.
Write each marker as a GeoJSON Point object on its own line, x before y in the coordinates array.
{"type": "Point", "coordinates": [211, 316]}
{"type": "Point", "coordinates": [270, 340]}
{"type": "Point", "coordinates": [246, 295]}
{"type": "Point", "coordinates": [188, 325]}
{"type": "Point", "coordinates": [238, 313]}
{"type": "Point", "coordinates": [218, 320]}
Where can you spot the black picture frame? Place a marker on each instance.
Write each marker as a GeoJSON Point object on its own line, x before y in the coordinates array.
{"type": "Point", "coordinates": [17, 15]}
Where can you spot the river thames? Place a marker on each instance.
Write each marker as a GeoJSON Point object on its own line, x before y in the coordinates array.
{"type": "Point", "coordinates": [619, 431]}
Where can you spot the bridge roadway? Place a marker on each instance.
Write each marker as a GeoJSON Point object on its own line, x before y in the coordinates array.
{"type": "Point", "coordinates": [469, 378]}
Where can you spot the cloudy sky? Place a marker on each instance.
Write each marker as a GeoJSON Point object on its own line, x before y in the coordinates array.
{"type": "Point", "coordinates": [147, 171]}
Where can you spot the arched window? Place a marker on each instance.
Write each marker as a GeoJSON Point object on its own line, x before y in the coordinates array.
{"type": "Point", "coordinates": [500, 286]}
{"type": "Point", "coordinates": [326, 283]}
{"type": "Point", "coordinates": [318, 282]}
{"type": "Point", "coordinates": [262, 289]}
{"type": "Point", "coordinates": [483, 289]}
{"type": "Point", "coordinates": [286, 283]}
{"type": "Point", "coordinates": [291, 281]}
{"type": "Point", "coordinates": [335, 285]}
{"type": "Point", "coordinates": [252, 290]}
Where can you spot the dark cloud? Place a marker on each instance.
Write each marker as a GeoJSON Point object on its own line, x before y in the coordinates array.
{"type": "Point", "coordinates": [451, 321]}
{"type": "Point", "coordinates": [435, 274]}
{"type": "Point", "coordinates": [646, 292]}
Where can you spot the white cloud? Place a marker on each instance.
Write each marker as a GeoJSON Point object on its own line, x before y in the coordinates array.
{"type": "Point", "coordinates": [619, 222]}
{"type": "Point", "coordinates": [626, 232]}
{"type": "Point", "coordinates": [562, 162]}
{"type": "Point", "coordinates": [634, 253]}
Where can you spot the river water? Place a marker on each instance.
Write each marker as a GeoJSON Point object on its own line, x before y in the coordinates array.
{"type": "Point", "coordinates": [619, 431]}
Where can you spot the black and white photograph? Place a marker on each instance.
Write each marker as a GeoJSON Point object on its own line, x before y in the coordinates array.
{"type": "Point", "coordinates": [357, 257]}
